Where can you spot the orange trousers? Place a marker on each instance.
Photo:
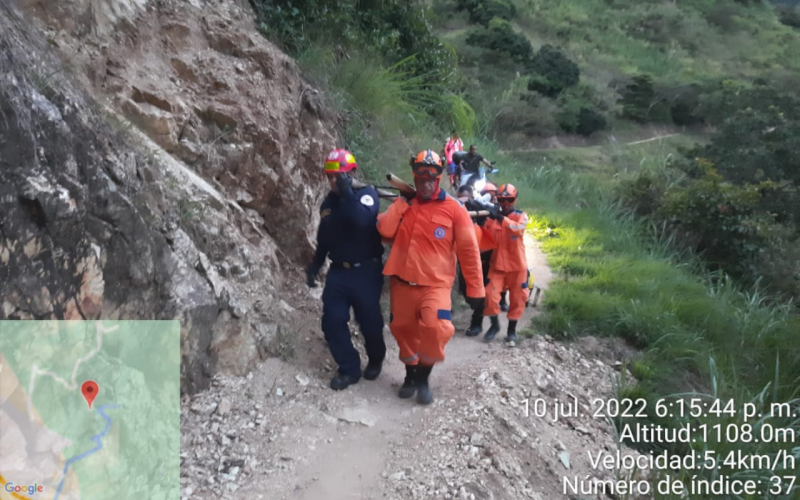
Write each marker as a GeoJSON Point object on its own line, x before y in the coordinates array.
{"type": "Point", "coordinates": [516, 282]}
{"type": "Point", "coordinates": [420, 321]}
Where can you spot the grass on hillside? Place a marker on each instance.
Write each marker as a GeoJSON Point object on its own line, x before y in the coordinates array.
{"type": "Point", "coordinates": [613, 161]}
{"type": "Point", "coordinates": [381, 107]}
{"type": "Point", "coordinates": [701, 336]}
{"type": "Point", "coordinates": [691, 41]}
{"type": "Point", "coordinates": [384, 109]}
{"type": "Point", "coordinates": [678, 43]}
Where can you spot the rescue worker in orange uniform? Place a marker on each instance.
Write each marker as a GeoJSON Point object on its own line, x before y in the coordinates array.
{"type": "Point", "coordinates": [485, 245]}
{"type": "Point", "coordinates": [427, 232]}
{"type": "Point", "coordinates": [487, 255]}
{"type": "Point", "coordinates": [509, 266]}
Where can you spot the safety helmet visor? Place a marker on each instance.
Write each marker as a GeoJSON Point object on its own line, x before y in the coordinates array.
{"type": "Point", "coordinates": [506, 200]}
{"type": "Point", "coordinates": [332, 167]}
{"type": "Point", "coordinates": [426, 170]}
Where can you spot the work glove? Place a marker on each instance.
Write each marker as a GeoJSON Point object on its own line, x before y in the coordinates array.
{"type": "Point", "coordinates": [344, 183]}
{"type": "Point", "coordinates": [496, 214]}
{"type": "Point", "coordinates": [476, 303]}
{"type": "Point", "coordinates": [311, 278]}
{"type": "Point", "coordinates": [480, 220]}
{"type": "Point", "coordinates": [408, 195]}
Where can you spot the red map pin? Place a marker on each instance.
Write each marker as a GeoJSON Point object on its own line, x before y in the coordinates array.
{"type": "Point", "coordinates": [89, 389]}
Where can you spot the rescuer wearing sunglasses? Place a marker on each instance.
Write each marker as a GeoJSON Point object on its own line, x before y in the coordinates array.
{"type": "Point", "coordinates": [476, 327]}
{"type": "Point", "coordinates": [509, 266]}
{"type": "Point", "coordinates": [427, 232]}
{"type": "Point", "coordinates": [347, 235]}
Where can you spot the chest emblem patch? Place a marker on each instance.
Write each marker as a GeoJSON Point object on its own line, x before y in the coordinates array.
{"type": "Point", "coordinates": [367, 200]}
{"type": "Point", "coordinates": [439, 233]}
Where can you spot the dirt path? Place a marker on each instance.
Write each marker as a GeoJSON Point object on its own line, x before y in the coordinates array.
{"type": "Point", "coordinates": [353, 467]}
{"type": "Point", "coordinates": [556, 145]}
{"type": "Point", "coordinates": [269, 436]}
{"type": "Point", "coordinates": [657, 138]}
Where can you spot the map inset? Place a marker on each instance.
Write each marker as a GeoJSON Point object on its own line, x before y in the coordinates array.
{"type": "Point", "coordinates": [52, 446]}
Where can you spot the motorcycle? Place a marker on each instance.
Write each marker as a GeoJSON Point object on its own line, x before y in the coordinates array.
{"type": "Point", "coordinates": [477, 181]}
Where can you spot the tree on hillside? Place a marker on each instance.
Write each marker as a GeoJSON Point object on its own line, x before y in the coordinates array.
{"type": "Point", "coordinates": [398, 30]}
{"type": "Point", "coordinates": [762, 145]}
{"type": "Point", "coordinates": [579, 110]}
{"type": "Point", "coordinates": [642, 102]}
{"type": "Point", "coordinates": [552, 71]}
{"type": "Point", "coordinates": [721, 104]}
{"type": "Point", "coordinates": [737, 198]}
{"type": "Point", "coordinates": [483, 11]}
{"type": "Point", "coordinates": [500, 36]}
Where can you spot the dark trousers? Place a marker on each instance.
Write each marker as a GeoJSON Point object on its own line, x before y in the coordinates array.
{"type": "Point", "coordinates": [359, 288]}
{"type": "Point", "coordinates": [486, 257]}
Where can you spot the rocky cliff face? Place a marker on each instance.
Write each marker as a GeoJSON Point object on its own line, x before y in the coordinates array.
{"type": "Point", "coordinates": [158, 159]}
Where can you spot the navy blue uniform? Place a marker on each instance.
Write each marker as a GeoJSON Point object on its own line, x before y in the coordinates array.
{"type": "Point", "coordinates": [349, 236]}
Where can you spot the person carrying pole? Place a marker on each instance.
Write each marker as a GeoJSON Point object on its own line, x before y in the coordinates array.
{"type": "Point", "coordinates": [509, 266]}
{"type": "Point", "coordinates": [427, 231]}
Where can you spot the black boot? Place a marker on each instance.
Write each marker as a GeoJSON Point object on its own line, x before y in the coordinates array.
{"type": "Point", "coordinates": [476, 326]}
{"type": "Point", "coordinates": [503, 303]}
{"type": "Point", "coordinates": [342, 381]}
{"type": "Point", "coordinates": [410, 383]}
{"type": "Point", "coordinates": [511, 335]}
{"type": "Point", "coordinates": [424, 395]}
{"type": "Point", "coordinates": [372, 370]}
{"type": "Point", "coordinates": [493, 329]}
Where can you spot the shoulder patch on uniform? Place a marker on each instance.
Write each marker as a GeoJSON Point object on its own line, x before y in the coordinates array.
{"type": "Point", "coordinates": [325, 213]}
{"type": "Point", "coordinates": [367, 200]}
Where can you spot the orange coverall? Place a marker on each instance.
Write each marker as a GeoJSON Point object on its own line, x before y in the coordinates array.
{"type": "Point", "coordinates": [509, 266]}
{"type": "Point", "coordinates": [426, 238]}
{"type": "Point", "coordinates": [485, 241]}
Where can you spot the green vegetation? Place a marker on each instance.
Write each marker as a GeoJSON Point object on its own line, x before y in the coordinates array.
{"type": "Point", "coordinates": [483, 11]}
{"type": "Point", "coordinates": [578, 110]}
{"type": "Point", "coordinates": [552, 72]}
{"type": "Point", "coordinates": [499, 36]}
{"type": "Point", "coordinates": [665, 53]}
{"type": "Point", "coordinates": [791, 17]}
{"type": "Point", "coordinates": [393, 30]}
{"type": "Point", "coordinates": [735, 199]}
{"type": "Point", "coordinates": [701, 335]}
{"type": "Point", "coordinates": [386, 73]}
{"type": "Point", "coordinates": [686, 246]}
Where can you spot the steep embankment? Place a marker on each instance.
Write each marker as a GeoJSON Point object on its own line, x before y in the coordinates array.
{"type": "Point", "coordinates": [199, 218]}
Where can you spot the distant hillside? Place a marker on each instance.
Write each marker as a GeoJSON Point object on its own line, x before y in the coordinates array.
{"type": "Point", "coordinates": [639, 62]}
